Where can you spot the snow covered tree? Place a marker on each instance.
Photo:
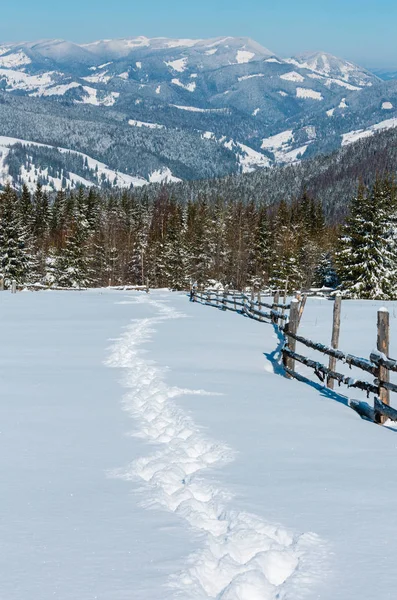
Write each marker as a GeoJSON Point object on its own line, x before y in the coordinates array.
{"type": "Point", "coordinates": [325, 274]}
{"type": "Point", "coordinates": [73, 263]}
{"type": "Point", "coordinates": [366, 258]}
{"type": "Point", "coordinates": [16, 260]}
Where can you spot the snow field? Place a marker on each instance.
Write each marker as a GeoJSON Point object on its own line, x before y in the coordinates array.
{"type": "Point", "coordinates": [244, 558]}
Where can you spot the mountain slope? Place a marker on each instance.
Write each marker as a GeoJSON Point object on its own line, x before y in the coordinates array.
{"type": "Point", "coordinates": [195, 108]}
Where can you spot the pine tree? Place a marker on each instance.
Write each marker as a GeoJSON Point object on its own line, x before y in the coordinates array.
{"type": "Point", "coordinates": [16, 259]}
{"type": "Point", "coordinates": [366, 258]}
{"type": "Point", "coordinates": [73, 263]}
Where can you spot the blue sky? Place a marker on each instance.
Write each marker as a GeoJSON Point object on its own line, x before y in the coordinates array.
{"type": "Point", "coordinates": [360, 30]}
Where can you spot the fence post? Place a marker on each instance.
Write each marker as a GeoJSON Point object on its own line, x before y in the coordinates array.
{"type": "Point", "coordinates": [335, 336]}
{"type": "Point", "coordinates": [259, 303]}
{"type": "Point", "coordinates": [14, 287]}
{"type": "Point", "coordinates": [383, 346]}
{"type": "Point", "coordinates": [217, 297]}
{"type": "Point", "coordinates": [293, 328]}
{"type": "Point", "coordinates": [285, 297]}
{"type": "Point", "coordinates": [276, 300]}
{"type": "Point", "coordinates": [225, 291]}
{"type": "Point", "coordinates": [147, 286]}
{"type": "Point", "coordinates": [234, 298]}
{"type": "Point", "coordinates": [1, 284]}
{"type": "Point", "coordinates": [252, 298]}
{"type": "Point", "coordinates": [208, 297]}
{"type": "Point", "coordinates": [302, 307]}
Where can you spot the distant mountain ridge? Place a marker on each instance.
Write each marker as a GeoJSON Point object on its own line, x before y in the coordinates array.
{"type": "Point", "coordinates": [178, 108]}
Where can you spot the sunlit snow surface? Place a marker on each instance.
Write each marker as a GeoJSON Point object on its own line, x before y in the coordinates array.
{"type": "Point", "coordinates": [232, 482]}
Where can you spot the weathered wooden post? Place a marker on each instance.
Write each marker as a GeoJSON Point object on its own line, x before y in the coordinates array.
{"type": "Point", "coordinates": [13, 287]}
{"type": "Point", "coordinates": [285, 297]}
{"type": "Point", "coordinates": [292, 327]}
{"type": "Point", "coordinates": [259, 303]}
{"type": "Point", "coordinates": [302, 307]}
{"type": "Point", "coordinates": [217, 297]}
{"type": "Point", "coordinates": [208, 297]}
{"type": "Point", "coordinates": [234, 298]}
{"type": "Point", "coordinates": [335, 336]}
{"type": "Point", "coordinates": [1, 284]}
{"type": "Point", "coordinates": [252, 303]}
{"type": "Point", "coordinates": [147, 286]}
{"type": "Point", "coordinates": [383, 340]}
{"type": "Point", "coordinates": [276, 300]}
{"type": "Point", "coordinates": [225, 291]}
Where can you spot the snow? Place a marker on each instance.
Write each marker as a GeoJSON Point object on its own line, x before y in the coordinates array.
{"type": "Point", "coordinates": [163, 175]}
{"type": "Point", "coordinates": [278, 141]}
{"type": "Point", "coordinates": [330, 112]}
{"type": "Point", "coordinates": [353, 136]}
{"type": "Point", "coordinates": [202, 110]}
{"type": "Point", "coordinates": [122, 180]}
{"type": "Point", "coordinates": [91, 97]}
{"type": "Point", "coordinates": [281, 145]}
{"type": "Point", "coordinates": [211, 52]}
{"type": "Point", "coordinates": [124, 75]}
{"type": "Point", "coordinates": [248, 158]}
{"type": "Point", "coordinates": [308, 93]}
{"type": "Point", "coordinates": [244, 56]}
{"type": "Point", "coordinates": [255, 112]}
{"type": "Point", "coordinates": [387, 106]}
{"type": "Point", "coordinates": [190, 87]}
{"type": "Point", "coordinates": [138, 65]}
{"type": "Point", "coordinates": [273, 60]}
{"type": "Point", "coordinates": [244, 77]}
{"type": "Point", "coordinates": [293, 76]}
{"type": "Point", "coordinates": [14, 60]}
{"type": "Point", "coordinates": [57, 90]}
{"type": "Point", "coordinates": [294, 155]}
{"type": "Point", "coordinates": [283, 94]}
{"type": "Point", "coordinates": [153, 449]}
{"type": "Point", "coordinates": [353, 88]}
{"type": "Point", "coordinates": [98, 78]}
{"type": "Point", "coordinates": [18, 80]}
{"type": "Point", "coordinates": [135, 123]}
{"type": "Point", "coordinates": [158, 89]}
{"type": "Point", "coordinates": [342, 103]}
{"type": "Point", "coordinates": [178, 65]}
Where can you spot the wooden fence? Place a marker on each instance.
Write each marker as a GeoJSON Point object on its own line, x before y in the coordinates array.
{"type": "Point", "coordinates": [286, 318]}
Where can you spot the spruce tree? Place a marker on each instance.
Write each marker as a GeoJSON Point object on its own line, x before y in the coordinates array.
{"type": "Point", "coordinates": [16, 259]}
{"type": "Point", "coordinates": [366, 257]}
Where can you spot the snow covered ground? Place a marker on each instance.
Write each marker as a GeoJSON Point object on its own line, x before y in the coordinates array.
{"type": "Point", "coordinates": [218, 479]}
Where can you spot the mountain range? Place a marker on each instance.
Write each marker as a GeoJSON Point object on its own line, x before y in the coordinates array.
{"type": "Point", "coordinates": [132, 111]}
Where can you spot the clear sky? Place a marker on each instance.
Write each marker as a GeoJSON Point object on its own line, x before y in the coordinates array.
{"type": "Point", "coordinates": [360, 30]}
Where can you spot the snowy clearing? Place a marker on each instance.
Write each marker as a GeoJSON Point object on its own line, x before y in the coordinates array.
{"type": "Point", "coordinates": [308, 93]}
{"type": "Point", "coordinates": [353, 136]}
{"type": "Point", "coordinates": [219, 478]}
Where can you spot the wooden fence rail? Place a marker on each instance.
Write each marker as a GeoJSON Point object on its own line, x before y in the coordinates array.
{"type": "Point", "coordinates": [287, 321]}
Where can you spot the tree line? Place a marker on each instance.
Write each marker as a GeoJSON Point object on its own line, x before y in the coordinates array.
{"type": "Point", "coordinates": [96, 238]}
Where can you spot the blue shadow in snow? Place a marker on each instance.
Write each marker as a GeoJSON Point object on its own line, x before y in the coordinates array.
{"type": "Point", "coordinates": [275, 358]}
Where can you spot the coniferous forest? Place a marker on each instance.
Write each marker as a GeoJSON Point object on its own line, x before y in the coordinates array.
{"type": "Point", "coordinates": [93, 238]}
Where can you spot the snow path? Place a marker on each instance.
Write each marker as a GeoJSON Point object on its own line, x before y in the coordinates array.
{"type": "Point", "coordinates": [243, 557]}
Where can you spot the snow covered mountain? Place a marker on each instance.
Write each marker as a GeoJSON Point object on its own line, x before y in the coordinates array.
{"type": "Point", "coordinates": [188, 108]}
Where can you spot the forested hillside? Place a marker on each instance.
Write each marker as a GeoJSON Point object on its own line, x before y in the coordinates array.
{"type": "Point", "coordinates": [163, 109]}
{"type": "Point", "coordinates": [93, 239]}
{"type": "Point", "coordinates": [331, 179]}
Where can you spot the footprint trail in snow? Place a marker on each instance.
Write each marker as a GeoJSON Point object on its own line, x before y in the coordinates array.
{"type": "Point", "coordinates": [243, 557]}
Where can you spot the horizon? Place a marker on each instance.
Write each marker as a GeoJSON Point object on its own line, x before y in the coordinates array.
{"type": "Point", "coordinates": [360, 33]}
{"type": "Point", "coordinates": [282, 55]}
